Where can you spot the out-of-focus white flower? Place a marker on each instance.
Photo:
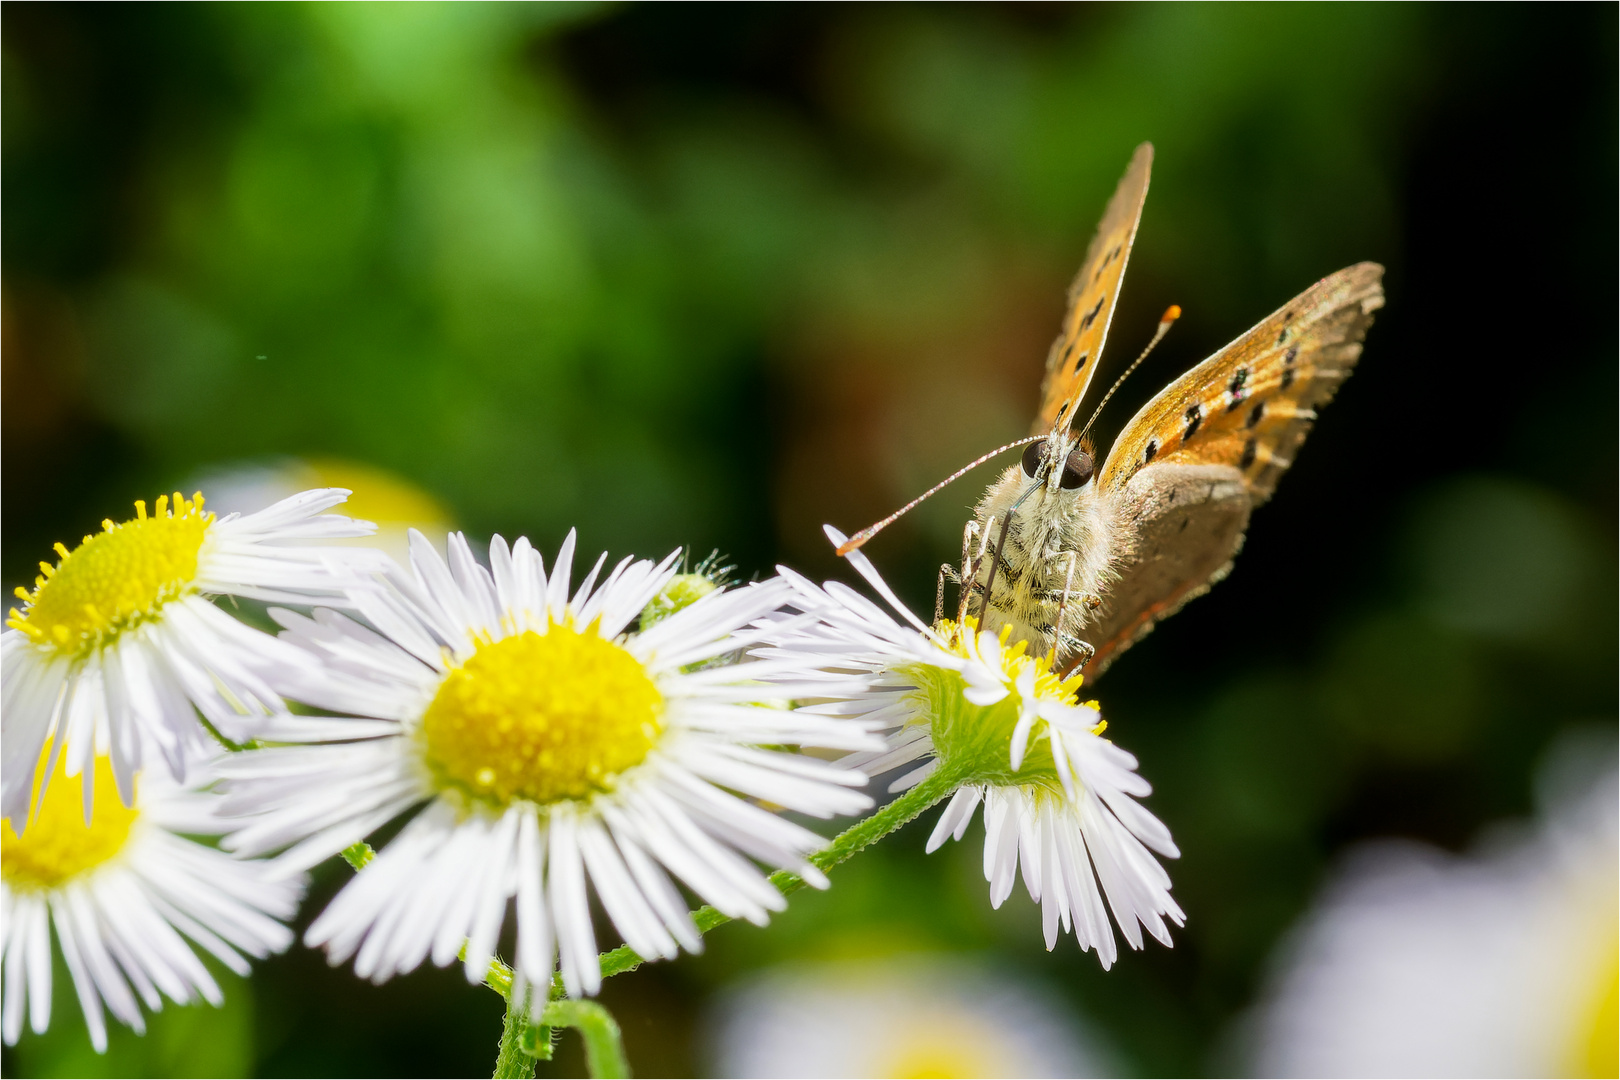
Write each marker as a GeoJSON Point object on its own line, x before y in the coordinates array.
{"type": "Point", "coordinates": [553, 745]}
{"type": "Point", "coordinates": [120, 892]}
{"type": "Point", "coordinates": [120, 639]}
{"type": "Point", "coordinates": [1415, 962]}
{"type": "Point", "coordinates": [389, 501]}
{"type": "Point", "coordinates": [907, 1015]}
{"type": "Point", "coordinates": [1005, 731]}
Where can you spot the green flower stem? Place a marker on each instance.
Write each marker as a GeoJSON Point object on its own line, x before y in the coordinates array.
{"type": "Point", "coordinates": [514, 1060]}
{"type": "Point", "coordinates": [604, 1049]}
{"type": "Point", "coordinates": [863, 833]}
{"type": "Point", "coordinates": [524, 1042]}
{"type": "Point", "coordinates": [535, 1040]}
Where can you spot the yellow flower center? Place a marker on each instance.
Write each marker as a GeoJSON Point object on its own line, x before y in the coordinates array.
{"type": "Point", "coordinates": [940, 1049]}
{"type": "Point", "coordinates": [542, 717]}
{"type": "Point", "coordinates": [116, 579]}
{"type": "Point", "coordinates": [378, 495]}
{"type": "Point", "coordinates": [976, 739]}
{"type": "Point", "coordinates": [1014, 660]}
{"type": "Point", "coordinates": [57, 845]}
{"type": "Point", "coordinates": [1596, 1050]}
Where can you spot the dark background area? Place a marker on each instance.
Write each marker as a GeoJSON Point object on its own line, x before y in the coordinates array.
{"type": "Point", "coordinates": [714, 275]}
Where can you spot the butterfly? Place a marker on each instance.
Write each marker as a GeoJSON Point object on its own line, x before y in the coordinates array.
{"type": "Point", "coordinates": [1082, 562]}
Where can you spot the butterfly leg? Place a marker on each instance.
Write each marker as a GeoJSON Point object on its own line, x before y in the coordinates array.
{"type": "Point", "coordinates": [962, 577]}
{"type": "Point", "coordinates": [1063, 601]}
{"type": "Point", "coordinates": [969, 531]}
{"type": "Point", "coordinates": [970, 570]}
{"type": "Point", "coordinates": [1083, 652]}
{"type": "Point", "coordinates": [995, 559]}
{"type": "Point", "coordinates": [947, 572]}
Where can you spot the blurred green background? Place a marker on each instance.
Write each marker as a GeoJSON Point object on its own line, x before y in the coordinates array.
{"type": "Point", "coordinates": [714, 275]}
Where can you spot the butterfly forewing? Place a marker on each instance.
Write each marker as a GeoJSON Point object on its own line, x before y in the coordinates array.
{"type": "Point", "coordinates": [1251, 405]}
{"type": "Point", "coordinates": [1192, 464]}
{"type": "Point", "coordinates": [1092, 297]}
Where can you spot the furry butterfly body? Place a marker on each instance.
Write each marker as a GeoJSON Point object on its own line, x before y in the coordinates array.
{"type": "Point", "coordinates": [1082, 562]}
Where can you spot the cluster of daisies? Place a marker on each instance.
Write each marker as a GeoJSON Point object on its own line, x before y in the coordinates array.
{"type": "Point", "coordinates": [174, 764]}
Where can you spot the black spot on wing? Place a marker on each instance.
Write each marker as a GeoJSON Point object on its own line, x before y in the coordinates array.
{"type": "Point", "coordinates": [1288, 366]}
{"type": "Point", "coordinates": [1080, 362]}
{"type": "Point", "coordinates": [1149, 451]}
{"type": "Point", "coordinates": [1255, 414]}
{"type": "Point", "coordinates": [1237, 388]}
{"type": "Point", "coordinates": [1247, 459]}
{"type": "Point", "coordinates": [1091, 316]}
{"type": "Point", "coordinates": [1195, 416]}
{"type": "Point", "coordinates": [1107, 261]}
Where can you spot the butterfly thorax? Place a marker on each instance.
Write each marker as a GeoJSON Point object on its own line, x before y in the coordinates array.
{"type": "Point", "coordinates": [1057, 553]}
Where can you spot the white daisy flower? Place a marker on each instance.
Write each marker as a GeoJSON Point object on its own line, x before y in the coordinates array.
{"type": "Point", "coordinates": [1497, 962]}
{"type": "Point", "coordinates": [997, 727]}
{"type": "Point", "coordinates": [120, 893]}
{"type": "Point", "coordinates": [915, 1014]}
{"type": "Point", "coordinates": [552, 745]}
{"type": "Point", "coordinates": [119, 640]}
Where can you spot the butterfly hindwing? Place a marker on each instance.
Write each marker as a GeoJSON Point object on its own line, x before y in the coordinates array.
{"type": "Point", "coordinates": [1251, 405]}
{"type": "Point", "coordinates": [1092, 298]}
{"type": "Point", "coordinates": [1185, 523]}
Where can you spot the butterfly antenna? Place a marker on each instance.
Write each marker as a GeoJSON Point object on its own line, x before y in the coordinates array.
{"type": "Point", "coordinates": [1171, 314]}
{"type": "Point", "coordinates": [872, 530]}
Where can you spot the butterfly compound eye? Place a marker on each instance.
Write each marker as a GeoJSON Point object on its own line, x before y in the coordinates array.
{"type": "Point", "coordinates": [1032, 457]}
{"type": "Point", "coordinates": [1076, 471]}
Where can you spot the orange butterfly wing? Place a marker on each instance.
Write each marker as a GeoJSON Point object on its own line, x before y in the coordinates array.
{"type": "Point", "coordinates": [1251, 404]}
{"type": "Point", "coordinates": [1074, 355]}
{"type": "Point", "coordinates": [1192, 464]}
